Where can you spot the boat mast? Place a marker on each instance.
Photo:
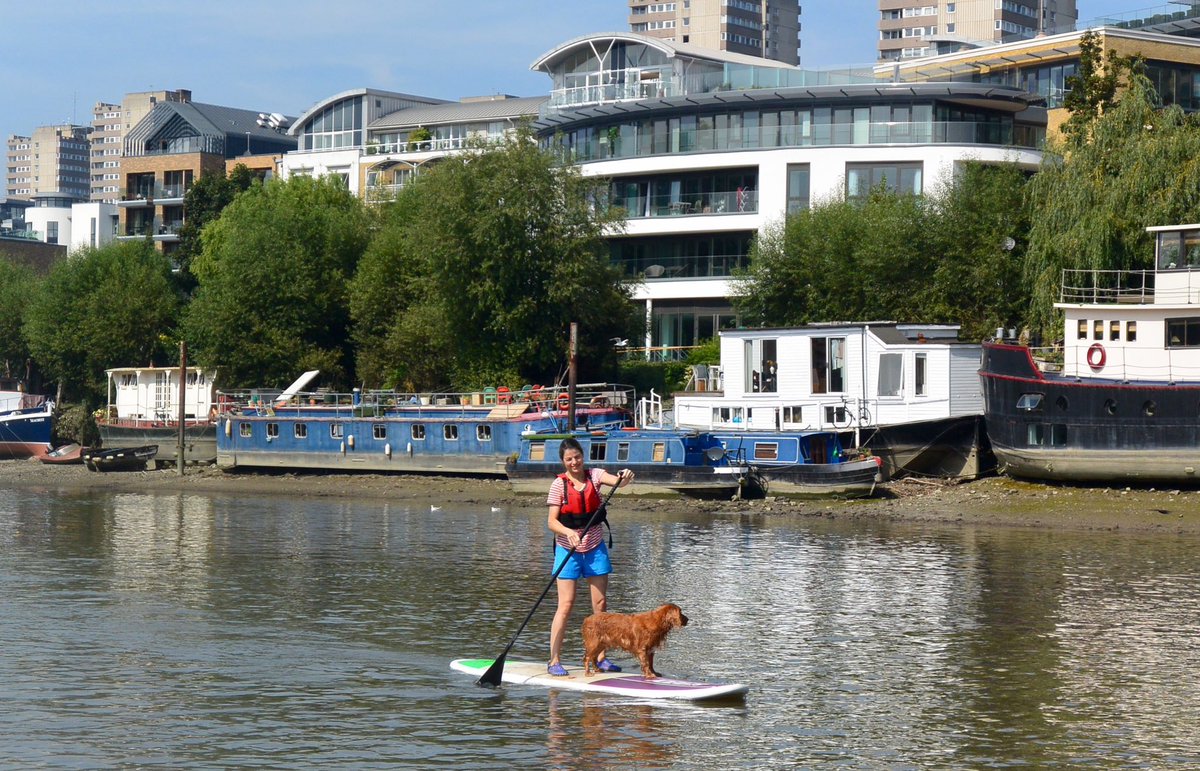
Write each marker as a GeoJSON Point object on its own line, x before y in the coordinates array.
{"type": "Point", "coordinates": [571, 378]}
{"type": "Point", "coordinates": [179, 459]}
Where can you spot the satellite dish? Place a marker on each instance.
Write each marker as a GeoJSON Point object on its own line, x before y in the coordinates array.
{"type": "Point", "coordinates": [715, 454]}
{"type": "Point", "coordinates": [1009, 244]}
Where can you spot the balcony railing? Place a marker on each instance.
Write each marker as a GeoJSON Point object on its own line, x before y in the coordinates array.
{"type": "Point", "coordinates": [723, 202]}
{"type": "Point", "coordinates": [154, 192]}
{"type": "Point", "coordinates": [631, 90]}
{"type": "Point", "coordinates": [703, 266]}
{"type": "Point", "coordinates": [1107, 286]}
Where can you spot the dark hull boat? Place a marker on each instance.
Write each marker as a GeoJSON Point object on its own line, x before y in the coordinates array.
{"type": "Point", "coordinates": [120, 458]}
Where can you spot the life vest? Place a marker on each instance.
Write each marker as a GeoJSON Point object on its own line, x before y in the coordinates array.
{"type": "Point", "coordinates": [579, 505]}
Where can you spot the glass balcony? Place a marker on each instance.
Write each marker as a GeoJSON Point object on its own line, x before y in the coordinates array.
{"type": "Point", "coordinates": [742, 201]}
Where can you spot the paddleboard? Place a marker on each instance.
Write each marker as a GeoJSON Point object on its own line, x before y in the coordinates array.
{"type": "Point", "coordinates": [618, 683]}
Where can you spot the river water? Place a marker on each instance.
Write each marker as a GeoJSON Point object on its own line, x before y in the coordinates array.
{"type": "Point", "coordinates": [206, 631]}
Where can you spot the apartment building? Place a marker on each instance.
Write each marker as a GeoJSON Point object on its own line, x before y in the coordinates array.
{"type": "Point", "coordinates": [764, 28]}
{"type": "Point", "coordinates": [110, 124]}
{"type": "Point", "coordinates": [174, 145]}
{"type": "Point", "coordinates": [53, 160]}
{"type": "Point", "coordinates": [912, 29]}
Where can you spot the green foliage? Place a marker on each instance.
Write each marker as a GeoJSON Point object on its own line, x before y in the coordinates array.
{"type": "Point", "coordinates": [272, 299]}
{"type": "Point", "coordinates": [17, 286]}
{"type": "Point", "coordinates": [1092, 90]}
{"type": "Point", "coordinates": [74, 423]}
{"type": "Point", "coordinates": [707, 352]}
{"type": "Point", "coordinates": [1091, 202]}
{"type": "Point", "coordinates": [496, 250]}
{"type": "Point", "coordinates": [664, 377]}
{"type": "Point", "coordinates": [101, 308]}
{"type": "Point", "coordinates": [204, 202]}
{"type": "Point", "coordinates": [937, 259]}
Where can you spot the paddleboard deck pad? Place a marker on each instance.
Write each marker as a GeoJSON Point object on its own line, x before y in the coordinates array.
{"type": "Point", "coordinates": [619, 683]}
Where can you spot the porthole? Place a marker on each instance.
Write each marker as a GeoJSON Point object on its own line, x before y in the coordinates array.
{"type": "Point", "coordinates": [1110, 406]}
{"type": "Point", "coordinates": [1062, 403]}
{"type": "Point", "coordinates": [1149, 408]}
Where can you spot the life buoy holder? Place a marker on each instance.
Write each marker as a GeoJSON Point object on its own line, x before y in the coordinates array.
{"type": "Point", "coordinates": [1096, 356]}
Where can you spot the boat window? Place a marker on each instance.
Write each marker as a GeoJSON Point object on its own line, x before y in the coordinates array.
{"type": "Point", "coordinates": [793, 413]}
{"type": "Point", "coordinates": [191, 378]}
{"type": "Point", "coordinates": [300, 430]}
{"type": "Point", "coordinates": [760, 366]}
{"type": "Point", "coordinates": [272, 430]}
{"type": "Point", "coordinates": [1110, 406]}
{"type": "Point", "coordinates": [891, 374]}
{"type": "Point", "coordinates": [244, 429]}
{"type": "Point", "coordinates": [1058, 435]}
{"type": "Point", "coordinates": [335, 430]}
{"type": "Point", "coordinates": [1114, 330]}
{"type": "Point", "coordinates": [920, 378]}
{"type": "Point", "coordinates": [1130, 331]}
{"type": "Point", "coordinates": [598, 451]}
{"type": "Point", "coordinates": [1081, 332]}
{"type": "Point", "coordinates": [450, 432]}
{"type": "Point", "coordinates": [1098, 330]}
{"type": "Point", "coordinates": [483, 433]}
{"type": "Point", "coordinates": [1036, 435]}
{"type": "Point", "coordinates": [659, 453]}
{"type": "Point", "coordinates": [128, 379]}
{"type": "Point", "coordinates": [727, 414]}
{"type": "Point", "coordinates": [766, 450]}
{"type": "Point", "coordinates": [828, 364]}
{"type": "Point", "coordinates": [379, 430]}
{"type": "Point", "coordinates": [1030, 402]}
{"type": "Point", "coordinates": [418, 431]}
{"type": "Point", "coordinates": [1149, 408]}
{"type": "Point", "coordinates": [1183, 333]}
{"type": "Point", "coordinates": [1062, 403]}
{"type": "Point", "coordinates": [836, 415]}
{"type": "Point", "coordinates": [622, 451]}
{"type": "Point", "coordinates": [537, 450]}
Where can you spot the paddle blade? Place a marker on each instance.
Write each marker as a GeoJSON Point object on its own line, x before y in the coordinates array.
{"type": "Point", "coordinates": [491, 678]}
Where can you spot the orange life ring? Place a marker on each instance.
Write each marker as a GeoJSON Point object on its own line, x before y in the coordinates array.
{"type": "Point", "coordinates": [1096, 356]}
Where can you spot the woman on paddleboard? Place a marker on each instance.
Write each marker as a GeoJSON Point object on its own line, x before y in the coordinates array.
{"type": "Point", "coordinates": [573, 499]}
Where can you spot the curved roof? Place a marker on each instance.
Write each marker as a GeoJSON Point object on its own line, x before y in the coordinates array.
{"type": "Point", "coordinates": [327, 101]}
{"type": "Point", "coordinates": [972, 94]}
{"type": "Point", "coordinates": [669, 49]}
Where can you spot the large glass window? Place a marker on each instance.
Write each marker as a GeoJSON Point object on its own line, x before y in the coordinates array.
{"type": "Point", "coordinates": [727, 191]}
{"type": "Point", "coordinates": [798, 181]}
{"type": "Point", "coordinates": [828, 365]}
{"type": "Point", "coordinates": [904, 178]}
{"type": "Point", "coordinates": [1183, 333]}
{"type": "Point", "coordinates": [655, 257]}
{"type": "Point", "coordinates": [891, 374]}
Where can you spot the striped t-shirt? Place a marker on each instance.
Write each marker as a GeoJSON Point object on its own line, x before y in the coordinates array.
{"type": "Point", "coordinates": [558, 497]}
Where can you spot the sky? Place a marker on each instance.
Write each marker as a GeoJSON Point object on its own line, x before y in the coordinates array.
{"type": "Point", "coordinates": [60, 57]}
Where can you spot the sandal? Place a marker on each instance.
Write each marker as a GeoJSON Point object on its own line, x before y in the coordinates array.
{"type": "Point", "coordinates": [558, 670]}
{"type": "Point", "coordinates": [604, 665]}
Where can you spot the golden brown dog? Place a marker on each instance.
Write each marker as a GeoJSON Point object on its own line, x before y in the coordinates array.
{"type": "Point", "coordinates": [639, 633]}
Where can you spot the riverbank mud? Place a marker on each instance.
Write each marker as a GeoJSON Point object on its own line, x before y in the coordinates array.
{"type": "Point", "coordinates": [994, 501]}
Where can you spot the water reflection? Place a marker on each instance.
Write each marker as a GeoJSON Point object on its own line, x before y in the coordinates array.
{"type": "Point", "coordinates": [282, 632]}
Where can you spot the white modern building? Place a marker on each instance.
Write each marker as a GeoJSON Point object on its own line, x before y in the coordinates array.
{"type": "Point", "coordinates": [706, 149]}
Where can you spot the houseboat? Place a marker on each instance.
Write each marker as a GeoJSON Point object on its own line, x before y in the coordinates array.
{"type": "Point", "coordinates": [907, 393]}
{"type": "Point", "coordinates": [143, 409]}
{"type": "Point", "coordinates": [1119, 401]}
{"type": "Point", "coordinates": [25, 421]}
{"type": "Point", "coordinates": [379, 431]}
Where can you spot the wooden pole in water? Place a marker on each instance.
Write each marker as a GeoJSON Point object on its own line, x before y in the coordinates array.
{"type": "Point", "coordinates": [571, 378]}
{"type": "Point", "coordinates": [179, 459]}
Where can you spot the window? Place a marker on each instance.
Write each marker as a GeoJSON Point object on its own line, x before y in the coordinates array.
{"type": "Point", "coordinates": [1058, 435]}
{"type": "Point", "coordinates": [761, 366]}
{"type": "Point", "coordinates": [272, 430]}
{"type": "Point", "coordinates": [300, 430]}
{"type": "Point", "coordinates": [798, 182]}
{"type": "Point", "coordinates": [379, 431]}
{"type": "Point", "coordinates": [537, 450]}
{"type": "Point", "coordinates": [1036, 434]}
{"type": "Point", "coordinates": [828, 364]}
{"type": "Point", "coordinates": [793, 414]}
{"type": "Point", "coordinates": [920, 368]}
{"type": "Point", "coordinates": [598, 451]}
{"type": "Point", "coordinates": [1030, 402]}
{"type": "Point", "coordinates": [861, 178]}
{"type": "Point", "coordinates": [1183, 333]}
{"type": "Point", "coordinates": [622, 451]}
{"type": "Point", "coordinates": [483, 433]}
{"type": "Point", "coordinates": [1110, 406]}
{"type": "Point", "coordinates": [766, 450]}
{"type": "Point", "coordinates": [836, 415]}
{"type": "Point", "coordinates": [658, 453]}
{"type": "Point", "coordinates": [1097, 330]}
{"type": "Point", "coordinates": [1149, 408]}
{"type": "Point", "coordinates": [891, 374]}
{"type": "Point", "coordinates": [244, 429]}
{"type": "Point", "coordinates": [450, 432]}
{"type": "Point", "coordinates": [336, 431]}
{"type": "Point", "coordinates": [1081, 330]}
{"type": "Point", "coordinates": [728, 414]}
{"type": "Point", "coordinates": [417, 431]}
{"type": "Point", "coordinates": [1114, 330]}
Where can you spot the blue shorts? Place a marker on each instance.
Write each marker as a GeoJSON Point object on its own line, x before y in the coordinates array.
{"type": "Point", "coordinates": [583, 564]}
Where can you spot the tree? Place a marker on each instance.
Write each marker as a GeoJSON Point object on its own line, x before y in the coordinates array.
{"type": "Point", "coordinates": [17, 285]}
{"type": "Point", "coordinates": [1092, 90]}
{"type": "Point", "coordinates": [479, 268]}
{"type": "Point", "coordinates": [271, 300]}
{"type": "Point", "coordinates": [1091, 202]}
{"type": "Point", "coordinates": [942, 258]}
{"type": "Point", "coordinates": [112, 306]}
{"type": "Point", "coordinates": [204, 202]}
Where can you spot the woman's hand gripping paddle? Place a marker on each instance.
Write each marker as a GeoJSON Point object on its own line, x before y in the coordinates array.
{"type": "Point", "coordinates": [495, 672]}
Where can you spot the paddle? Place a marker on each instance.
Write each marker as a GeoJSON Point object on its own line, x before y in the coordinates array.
{"type": "Point", "coordinates": [496, 670]}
